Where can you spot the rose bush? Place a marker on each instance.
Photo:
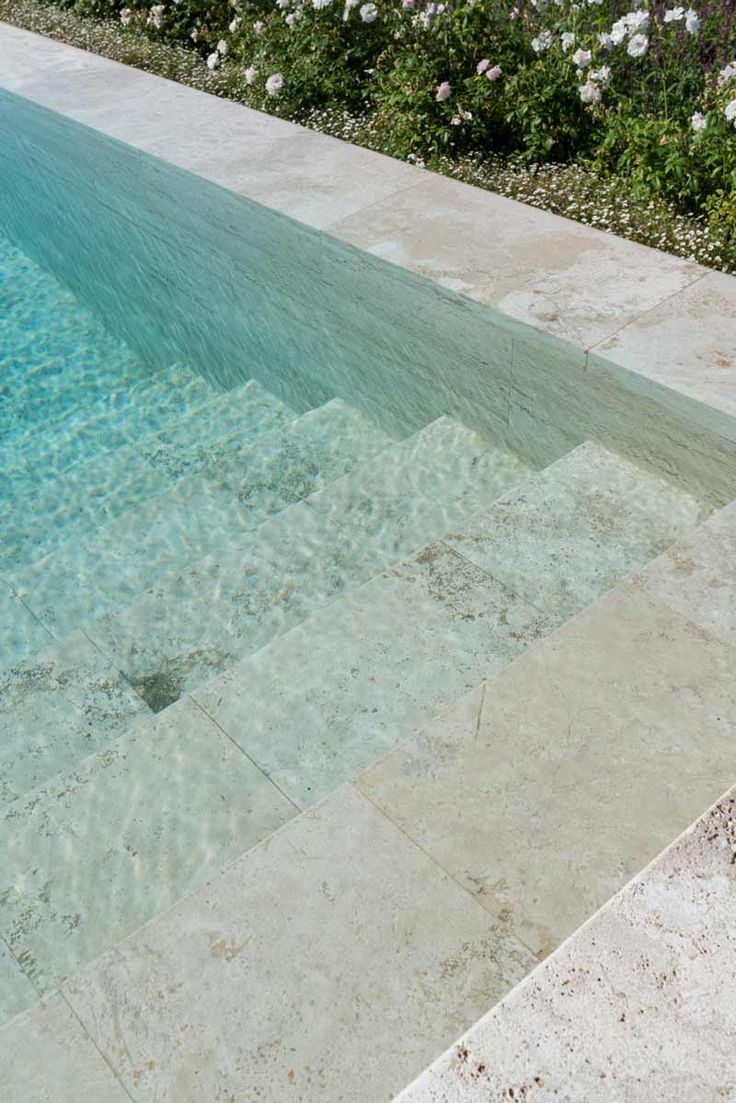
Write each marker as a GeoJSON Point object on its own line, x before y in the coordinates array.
{"type": "Point", "coordinates": [644, 89]}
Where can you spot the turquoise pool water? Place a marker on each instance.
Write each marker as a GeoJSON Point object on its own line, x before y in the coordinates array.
{"type": "Point", "coordinates": [269, 506]}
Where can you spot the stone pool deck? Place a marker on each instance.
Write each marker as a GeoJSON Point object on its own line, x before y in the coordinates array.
{"type": "Point", "coordinates": [650, 666]}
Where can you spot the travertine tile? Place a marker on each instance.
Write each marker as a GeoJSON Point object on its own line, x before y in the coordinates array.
{"type": "Point", "coordinates": [697, 577]}
{"type": "Point", "coordinates": [16, 991]}
{"type": "Point", "coordinates": [569, 533]}
{"type": "Point", "coordinates": [370, 668]}
{"type": "Point", "coordinates": [59, 706]}
{"type": "Point", "coordinates": [325, 964]}
{"type": "Point", "coordinates": [46, 1057]}
{"type": "Point", "coordinates": [637, 1006]}
{"type": "Point", "coordinates": [89, 857]}
{"type": "Point", "coordinates": [582, 760]}
{"type": "Point", "coordinates": [564, 278]}
{"type": "Point", "coordinates": [684, 351]}
{"type": "Point", "coordinates": [21, 633]}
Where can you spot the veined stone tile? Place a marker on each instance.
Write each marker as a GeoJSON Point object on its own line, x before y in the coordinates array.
{"type": "Point", "coordinates": [697, 577]}
{"type": "Point", "coordinates": [16, 991]}
{"type": "Point", "coordinates": [21, 633]}
{"type": "Point", "coordinates": [199, 622]}
{"type": "Point", "coordinates": [684, 350]}
{"type": "Point", "coordinates": [578, 528]}
{"type": "Point", "coordinates": [567, 279]}
{"type": "Point", "coordinates": [638, 1004]}
{"type": "Point", "coordinates": [333, 694]}
{"type": "Point", "coordinates": [211, 433]}
{"type": "Point", "coordinates": [93, 854]}
{"type": "Point", "coordinates": [75, 503]}
{"type": "Point", "coordinates": [46, 1057]}
{"type": "Point", "coordinates": [582, 760]}
{"type": "Point", "coordinates": [420, 488]}
{"type": "Point", "coordinates": [325, 964]}
{"type": "Point", "coordinates": [58, 707]}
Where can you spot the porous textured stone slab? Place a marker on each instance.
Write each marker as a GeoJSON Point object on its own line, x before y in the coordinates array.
{"type": "Point", "coordinates": [637, 1005]}
{"type": "Point", "coordinates": [47, 1057]}
{"type": "Point", "coordinates": [95, 853]}
{"type": "Point", "coordinates": [577, 529]}
{"type": "Point", "coordinates": [368, 669]}
{"type": "Point", "coordinates": [697, 577]}
{"type": "Point", "coordinates": [16, 991]}
{"type": "Point", "coordinates": [59, 706]}
{"type": "Point", "coordinates": [577, 764]}
{"type": "Point", "coordinates": [22, 633]}
{"type": "Point", "coordinates": [215, 1000]}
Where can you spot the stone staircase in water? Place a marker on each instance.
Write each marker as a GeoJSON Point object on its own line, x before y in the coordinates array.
{"type": "Point", "coordinates": [216, 614]}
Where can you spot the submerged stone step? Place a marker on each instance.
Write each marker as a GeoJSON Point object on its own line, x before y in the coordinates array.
{"type": "Point", "coordinates": [108, 424]}
{"type": "Point", "coordinates": [22, 633]}
{"type": "Point", "coordinates": [334, 693]}
{"type": "Point", "coordinates": [577, 529]}
{"type": "Point", "coordinates": [89, 857]}
{"type": "Point", "coordinates": [329, 963]}
{"type": "Point", "coordinates": [239, 484]}
{"type": "Point", "coordinates": [196, 624]}
{"type": "Point", "coordinates": [58, 708]}
{"type": "Point", "coordinates": [111, 483]}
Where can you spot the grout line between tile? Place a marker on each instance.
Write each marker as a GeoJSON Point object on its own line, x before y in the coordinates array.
{"type": "Point", "coordinates": [252, 761]}
{"type": "Point", "coordinates": [509, 934]}
{"type": "Point", "coordinates": [92, 1041]}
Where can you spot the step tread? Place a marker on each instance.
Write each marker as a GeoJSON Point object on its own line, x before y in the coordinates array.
{"type": "Point", "coordinates": [149, 819]}
{"type": "Point", "coordinates": [227, 498]}
{"type": "Point", "coordinates": [103, 427]}
{"type": "Point", "coordinates": [111, 483]}
{"type": "Point", "coordinates": [196, 624]}
{"type": "Point", "coordinates": [57, 709]}
{"type": "Point", "coordinates": [569, 533]}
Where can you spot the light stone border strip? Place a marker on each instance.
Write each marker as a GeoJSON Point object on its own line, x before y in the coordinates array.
{"type": "Point", "coordinates": [638, 1004]}
{"type": "Point", "coordinates": [657, 325]}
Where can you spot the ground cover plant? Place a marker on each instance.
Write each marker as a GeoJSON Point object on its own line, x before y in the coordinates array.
{"type": "Point", "coordinates": [554, 101]}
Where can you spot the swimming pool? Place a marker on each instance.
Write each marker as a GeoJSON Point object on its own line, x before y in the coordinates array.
{"type": "Point", "coordinates": [265, 514]}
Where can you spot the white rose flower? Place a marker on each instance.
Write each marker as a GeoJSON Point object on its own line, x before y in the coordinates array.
{"type": "Point", "coordinates": [692, 21]}
{"type": "Point", "coordinates": [602, 75]}
{"type": "Point", "coordinates": [234, 25]}
{"type": "Point", "coordinates": [274, 84]}
{"type": "Point", "coordinates": [213, 61]}
{"type": "Point", "coordinates": [674, 15]}
{"type": "Point", "coordinates": [567, 40]}
{"type": "Point", "coordinates": [698, 122]}
{"type": "Point", "coordinates": [250, 74]}
{"type": "Point", "coordinates": [638, 45]}
{"type": "Point", "coordinates": [156, 16]}
{"type": "Point", "coordinates": [582, 58]}
{"type": "Point", "coordinates": [589, 92]}
{"type": "Point", "coordinates": [222, 47]}
{"type": "Point", "coordinates": [125, 16]}
{"type": "Point", "coordinates": [542, 42]}
{"type": "Point", "coordinates": [730, 112]}
{"type": "Point", "coordinates": [369, 13]}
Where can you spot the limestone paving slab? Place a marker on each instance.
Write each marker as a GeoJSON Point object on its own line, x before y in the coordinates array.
{"type": "Point", "coordinates": [58, 707]}
{"type": "Point", "coordinates": [16, 991]}
{"type": "Point", "coordinates": [684, 351]}
{"type": "Point", "coordinates": [368, 669]}
{"type": "Point", "coordinates": [76, 502]}
{"type": "Point", "coordinates": [545, 792]}
{"type": "Point", "coordinates": [377, 956]}
{"type": "Point", "coordinates": [557, 275]}
{"type": "Point", "coordinates": [197, 623]}
{"type": "Point", "coordinates": [697, 577]}
{"type": "Point", "coordinates": [576, 529]}
{"type": "Point", "coordinates": [20, 632]}
{"type": "Point", "coordinates": [96, 852]}
{"type": "Point", "coordinates": [47, 1057]}
{"type": "Point", "coordinates": [637, 1006]}
{"type": "Point", "coordinates": [419, 488]}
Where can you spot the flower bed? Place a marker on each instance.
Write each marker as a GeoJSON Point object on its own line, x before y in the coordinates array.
{"type": "Point", "coordinates": [565, 95]}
